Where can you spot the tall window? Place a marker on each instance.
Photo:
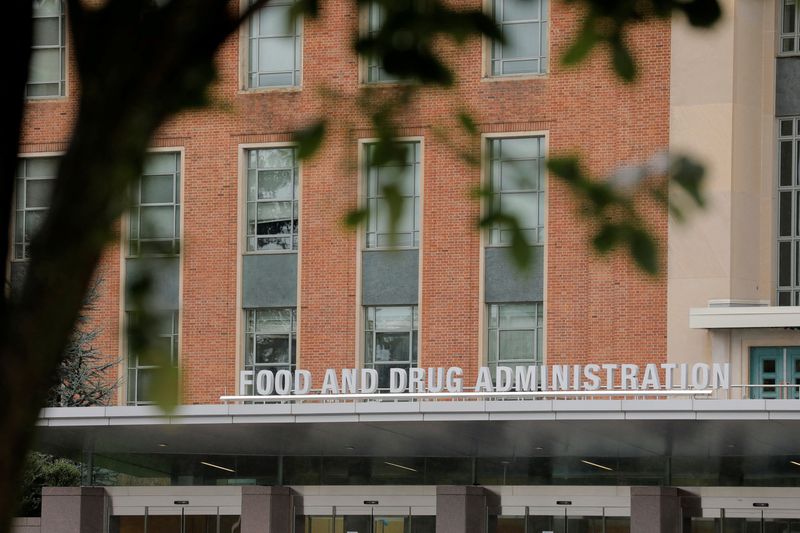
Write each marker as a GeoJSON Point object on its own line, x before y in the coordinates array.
{"type": "Point", "coordinates": [514, 334]}
{"type": "Point", "coordinates": [400, 177]}
{"type": "Point", "coordinates": [154, 220]}
{"type": "Point", "coordinates": [143, 366]}
{"type": "Point", "coordinates": [34, 187]}
{"type": "Point", "coordinates": [275, 46]}
{"type": "Point", "coordinates": [788, 211]}
{"type": "Point", "coordinates": [516, 179]}
{"type": "Point", "coordinates": [524, 25]}
{"type": "Point", "coordinates": [272, 199]}
{"type": "Point", "coordinates": [790, 27]}
{"type": "Point", "coordinates": [270, 339]}
{"type": "Point", "coordinates": [390, 340]}
{"type": "Point", "coordinates": [46, 76]}
{"type": "Point", "coordinates": [375, 71]}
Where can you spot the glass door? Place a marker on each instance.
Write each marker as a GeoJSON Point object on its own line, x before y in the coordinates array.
{"type": "Point", "coordinates": [777, 366]}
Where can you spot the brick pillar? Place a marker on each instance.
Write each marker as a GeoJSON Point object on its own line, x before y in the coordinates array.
{"type": "Point", "coordinates": [74, 509]}
{"type": "Point", "coordinates": [662, 510]}
{"type": "Point", "coordinates": [267, 509]}
{"type": "Point", "coordinates": [461, 509]}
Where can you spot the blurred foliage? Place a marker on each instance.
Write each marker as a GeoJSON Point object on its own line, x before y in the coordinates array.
{"type": "Point", "coordinates": [614, 205]}
{"type": "Point", "coordinates": [43, 470]}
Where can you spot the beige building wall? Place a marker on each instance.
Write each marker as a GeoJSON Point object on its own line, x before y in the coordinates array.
{"type": "Point", "coordinates": [722, 101]}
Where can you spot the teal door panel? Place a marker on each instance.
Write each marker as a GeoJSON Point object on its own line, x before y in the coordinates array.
{"type": "Point", "coordinates": [766, 368]}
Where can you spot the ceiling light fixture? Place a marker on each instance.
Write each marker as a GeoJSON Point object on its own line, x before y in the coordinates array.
{"type": "Point", "coordinates": [162, 445]}
{"type": "Point", "coordinates": [597, 465]}
{"type": "Point", "coordinates": [212, 465]}
{"type": "Point", "coordinates": [399, 466]}
{"type": "Point", "coordinates": [795, 463]}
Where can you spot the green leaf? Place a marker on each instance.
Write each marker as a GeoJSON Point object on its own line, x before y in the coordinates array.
{"type": "Point", "coordinates": [623, 61]}
{"type": "Point", "coordinates": [607, 238]}
{"type": "Point", "coordinates": [701, 13]}
{"type": "Point", "coordinates": [586, 39]}
{"type": "Point", "coordinates": [468, 123]}
{"type": "Point", "coordinates": [356, 217]}
{"type": "Point", "coordinates": [643, 250]}
{"type": "Point", "coordinates": [689, 175]}
{"type": "Point", "coordinates": [310, 139]}
{"type": "Point", "coordinates": [566, 168]}
{"type": "Point", "coordinates": [165, 385]}
{"type": "Point", "coordinates": [309, 8]}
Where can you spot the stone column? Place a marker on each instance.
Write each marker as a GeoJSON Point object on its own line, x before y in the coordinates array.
{"type": "Point", "coordinates": [662, 510]}
{"type": "Point", "coordinates": [267, 509]}
{"type": "Point", "coordinates": [74, 509]}
{"type": "Point", "coordinates": [461, 509]}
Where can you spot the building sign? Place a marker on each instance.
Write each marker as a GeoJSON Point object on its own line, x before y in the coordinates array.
{"type": "Point", "coordinates": [589, 377]}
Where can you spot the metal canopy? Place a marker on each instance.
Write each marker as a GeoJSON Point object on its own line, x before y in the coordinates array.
{"type": "Point", "coordinates": [485, 428]}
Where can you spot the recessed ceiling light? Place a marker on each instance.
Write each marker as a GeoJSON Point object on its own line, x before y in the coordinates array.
{"type": "Point", "coordinates": [162, 445]}
{"type": "Point", "coordinates": [538, 448]}
{"type": "Point", "coordinates": [399, 466]}
{"type": "Point", "coordinates": [596, 465]}
{"type": "Point", "coordinates": [212, 465]}
{"type": "Point", "coordinates": [349, 448]}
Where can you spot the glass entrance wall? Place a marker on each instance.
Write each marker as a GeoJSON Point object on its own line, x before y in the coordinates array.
{"type": "Point", "coordinates": [365, 524]}
{"type": "Point", "coordinates": [559, 524]}
{"type": "Point", "coordinates": [165, 520]}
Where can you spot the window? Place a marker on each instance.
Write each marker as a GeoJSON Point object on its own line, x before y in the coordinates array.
{"type": "Point", "coordinates": [772, 369]}
{"type": "Point", "coordinates": [401, 177]}
{"type": "Point", "coordinates": [275, 43]}
{"type": "Point", "coordinates": [46, 76]}
{"type": "Point", "coordinates": [272, 199]}
{"type": "Point", "coordinates": [514, 335]}
{"type": "Point", "coordinates": [36, 178]}
{"type": "Point", "coordinates": [270, 339]}
{"type": "Point", "coordinates": [376, 15]}
{"type": "Point", "coordinates": [524, 25]}
{"type": "Point", "coordinates": [788, 212]}
{"type": "Point", "coordinates": [142, 367]}
{"type": "Point", "coordinates": [790, 28]}
{"type": "Point", "coordinates": [516, 180]}
{"type": "Point", "coordinates": [154, 219]}
{"type": "Point", "coordinates": [390, 340]}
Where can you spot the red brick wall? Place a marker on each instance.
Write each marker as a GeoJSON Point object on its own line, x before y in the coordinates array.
{"type": "Point", "coordinates": [598, 310]}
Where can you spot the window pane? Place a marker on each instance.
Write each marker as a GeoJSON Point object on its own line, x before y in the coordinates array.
{"type": "Point", "coordinates": [275, 218]}
{"type": "Point", "coordinates": [524, 206]}
{"type": "Point", "coordinates": [33, 220]}
{"type": "Point", "coordinates": [273, 320]}
{"type": "Point", "coordinates": [786, 163]}
{"type": "Point", "coordinates": [276, 54]}
{"type": "Point", "coordinates": [274, 20]}
{"type": "Point", "coordinates": [46, 8]}
{"type": "Point", "coordinates": [275, 184]}
{"type": "Point", "coordinates": [519, 175]}
{"type": "Point", "coordinates": [516, 345]}
{"type": "Point", "coordinates": [46, 31]}
{"type": "Point", "coordinates": [393, 318]}
{"type": "Point", "coordinates": [392, 347]}
{"type": "Point", "coordinates": [789, 7]}
{"type": "Point", "coordinates": [518, 316]}
{"type": "Point", "coordinates": [157, 189]}
{"type": "Point", "coordinates": [786, 127]}
{"type": "Point", "coordinates": [275, 80]}
{"type": "Point", "coordinates": [38, 192]}
{"type": "Point", "coordinates": [41, 167]}
{"type": "Point", "coordinates": [272, 349]}
{"type": "Point", "coordinates": [160, 163]}
{"type": "Point", "coordinates": [520, 10]}
{"type": "Point", "coordinates": [522, 40]}
{"type": "Point", "coordinates": [785, 264]}
{"type": "Point", "coordinates": [157, 222]}
{"type": "Point", "coordinates": [45, 66]}
{"type": "Point", "coordinates": [785, 210]}
{"type": "Point", "coordinates": [520, 67]}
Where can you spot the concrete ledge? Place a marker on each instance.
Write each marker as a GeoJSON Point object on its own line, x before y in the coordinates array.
{"type": "Point", "coordinates": [744, 317]}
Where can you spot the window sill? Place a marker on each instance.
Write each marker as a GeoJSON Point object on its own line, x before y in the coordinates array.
{"type": "Point", "coordinates": [263, 90]}
{"type": "Point", "coordinates": [390, 248]}
{"type": "Point", "coordinates": [46, 99]}
{"type": "Point", "coordinates": [270, 252]}
{"type": "Point", "coordinates": [514, 77]}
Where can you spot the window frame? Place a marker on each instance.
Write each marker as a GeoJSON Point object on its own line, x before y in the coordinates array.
{"type": "Point", "coordinates": [246, 340]}
{"type": "Point", "coordinates": [413, 355]}
{"type": "Point", "coordinates": [419, 185]}
{"type": "Point", "coordinates": [781, 35]}
{"type": "Point", "coordinates": [793, 189]}
{"type": "Point", "coordinates": [131, 387]}
{"type": "Point", "coordinates": [545, 51]}
{"type": "Point", "coordinates": [63, 47]}
{"type": "Point", "coordinates": [15, 208]}
{"type": "Point", "coordinates": [538, 335]}
{"type": "Point", "coordinates": [367, 63]}
{"type": "Point", "coordinates": [542, 192]}
{"type": "Point", "coordinates": [177, 205]}
{"type": "Point", "coordinates": [245, 62]}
